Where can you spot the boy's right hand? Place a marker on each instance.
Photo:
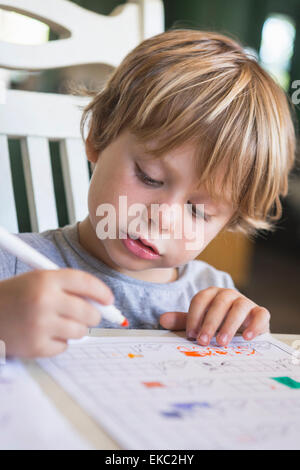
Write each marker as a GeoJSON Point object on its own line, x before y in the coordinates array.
{"type": "Point", "coordinates": [41, 310]}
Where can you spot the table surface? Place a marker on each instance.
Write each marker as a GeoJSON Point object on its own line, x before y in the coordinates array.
{"type": "Point", "coordinates": [86, 426]}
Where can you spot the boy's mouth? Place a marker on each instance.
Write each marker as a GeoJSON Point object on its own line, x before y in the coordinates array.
{"type": "Point", "coordinates": [141, 247]}
{"type": "Point", "coordinates": [148, 245]}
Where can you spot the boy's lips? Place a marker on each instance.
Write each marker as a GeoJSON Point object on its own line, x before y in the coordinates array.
{"type": "Point", "coordinates": [154, 248]}
{"type": "Point", "coordinates": [141, 247]}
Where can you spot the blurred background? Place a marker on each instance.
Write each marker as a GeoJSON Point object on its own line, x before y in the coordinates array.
{"type": "Point", "coordinates": [266, 269]}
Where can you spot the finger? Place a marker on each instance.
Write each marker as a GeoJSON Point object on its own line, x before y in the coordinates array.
{"type": "Point", "coordinates": [79, 310]}
{"type": "Point", "coordinates": [49, 348]}
{"type": "Point", "coordinates": [85, 284]}
{"type": "Point", "coordinates": [198, 307]}
{"type": "Point", "coordinates": [64, 329]}
{"type": "Point", "coordinates": [259, 323]}
{"type": "Point", "coordinates": [55, 347]}
{"type": "Point", "coordinates": [239, 311]}
{"type": "Point", "coordinates": [173, 320]}
{"type": "Point", "coordinates": [217, 311]}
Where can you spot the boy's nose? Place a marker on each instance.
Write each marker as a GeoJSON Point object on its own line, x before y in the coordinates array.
{"type": "Point", "coordinates": [163, 218]}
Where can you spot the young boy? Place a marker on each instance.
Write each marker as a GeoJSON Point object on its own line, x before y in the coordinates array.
{"type": "Point", "coordinates": [188, 118]}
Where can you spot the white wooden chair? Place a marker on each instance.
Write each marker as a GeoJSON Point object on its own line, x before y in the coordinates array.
{"type": "Point", "coordinates": [37, 118]}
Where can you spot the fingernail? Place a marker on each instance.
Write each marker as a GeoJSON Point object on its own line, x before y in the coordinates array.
{"type": "Point", "coordinates": [249, 334]}
{"type": "Point", "coordinates": [191, 334]}
{"type": "Point", "coordinates": [223, 338]}
{"type": "Point", "coordinates": [203, 338]}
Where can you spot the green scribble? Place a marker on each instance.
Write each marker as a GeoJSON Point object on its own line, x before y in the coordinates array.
{"type": "Point", "coordinates": [287, 381]}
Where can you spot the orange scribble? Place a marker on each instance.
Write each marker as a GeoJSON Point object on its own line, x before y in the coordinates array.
{"type": "Point", "coordinates": [194, 351]}
{"type": "Point", "coordinates": [244, 349]}
{"type": "Point", "coordinates": [252, 352]}
{"type": "Point", "coordinates": [134, 355]}
{"type": "Point", "coordinates": [153, 384]}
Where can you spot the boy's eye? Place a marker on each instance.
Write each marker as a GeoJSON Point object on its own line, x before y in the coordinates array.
{"type": "Point", "coordinates": [146, 179]}
{"type": "Point", "coordinates": [199, 214]}
{"type": "Point", "coordinates": [151, 182]}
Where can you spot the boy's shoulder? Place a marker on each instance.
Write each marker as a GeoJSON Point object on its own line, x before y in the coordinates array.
{"type": "Point", "coordinates": [204, 274]}
{"type": "Point", "coordinates": [38, 240]}
{"type": "Point", "coordinates": [51, 243]}
{"type": "Point", "coordinates": [44, 242]}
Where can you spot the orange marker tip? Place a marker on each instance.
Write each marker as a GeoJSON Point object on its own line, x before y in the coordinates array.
{"type": "Point", "coordinates": [125, 322]}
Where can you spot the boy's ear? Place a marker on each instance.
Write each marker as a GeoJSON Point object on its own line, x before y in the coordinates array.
{"type": "Point", "coordinates": [91, 153]}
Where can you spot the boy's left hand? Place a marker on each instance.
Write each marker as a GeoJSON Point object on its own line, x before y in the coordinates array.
{"type": "Point", "coordinates": [220, 311]}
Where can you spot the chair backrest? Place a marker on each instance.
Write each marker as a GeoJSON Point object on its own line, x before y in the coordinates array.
{"type": "Point", "coordinates": [37, 118]}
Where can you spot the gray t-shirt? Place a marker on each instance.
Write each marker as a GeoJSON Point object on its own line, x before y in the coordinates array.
{"type": "Point", "coordinates": [142, 302]}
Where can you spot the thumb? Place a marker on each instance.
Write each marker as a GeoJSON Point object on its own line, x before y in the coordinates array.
{"type": "Point", "coordinates": [173, 320]}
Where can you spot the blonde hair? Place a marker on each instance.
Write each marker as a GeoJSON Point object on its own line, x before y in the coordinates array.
{"type": "Point", "coordinates": [196, 86]}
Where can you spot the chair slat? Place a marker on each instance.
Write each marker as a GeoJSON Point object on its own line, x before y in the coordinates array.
{"type": "Point", "coordinates": [8, 214]}
{"type": "Point", "coordinates": [153, 17]}
{"type": "Point", "coordinates": [37, 118]}
{"type": "Point", "coordinates": [105, 39]}
{"type": "Point", "coordinates": [39, 183]}
{"type": "Point", "coordinates": [27, 113]}
{"type": "Point", "coordinates": [76, 178]}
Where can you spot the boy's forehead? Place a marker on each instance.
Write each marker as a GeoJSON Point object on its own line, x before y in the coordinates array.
{"type": "Point", "coordinates": [148, 148]}
{"type": "Point", "coordinates": [172, 159]}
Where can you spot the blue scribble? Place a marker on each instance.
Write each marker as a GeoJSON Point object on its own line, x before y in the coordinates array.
{"type": "Point", "coordinates": [192, 405]}
{"type": "Point", "coordinates": [171, 414]}
{"type": "Point", "coordinates": [185, 409]}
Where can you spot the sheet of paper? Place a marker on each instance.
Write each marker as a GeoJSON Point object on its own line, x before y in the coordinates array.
{"type": "Point", "coordinates": [170, 393]}
{"type": "Point", "coordinates": [28, 420]}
